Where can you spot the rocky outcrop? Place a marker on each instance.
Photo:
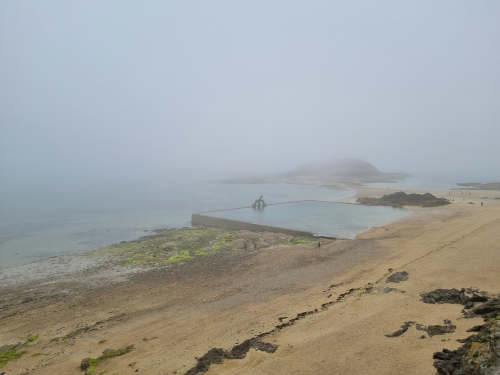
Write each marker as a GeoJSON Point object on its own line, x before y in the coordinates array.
{"type": "Point", "coordinates": [400, 199]}
{"type": "Point", "coordinates": [397, 277]}
{"type": "Point", "coordinates": [480, 353]}
{"type": "Point", "coordinates": [432, 330]}
{"type": "Point", "coordinates": [218, 355]}
{"type": "Point", "coordinates": [463, 296]}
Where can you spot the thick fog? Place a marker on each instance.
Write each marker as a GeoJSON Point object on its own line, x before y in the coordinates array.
{"type": "Point", "coordinates": [114, 92]}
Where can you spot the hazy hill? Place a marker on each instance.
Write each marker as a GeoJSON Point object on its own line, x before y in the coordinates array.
{"type": "Point", "coordinates": [350, 171]}
{"type": "Point", "coordinates": [344, 170]}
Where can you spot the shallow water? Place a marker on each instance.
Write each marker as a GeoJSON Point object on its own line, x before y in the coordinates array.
{"type": "Point", "coordinates": [42, 225]}
{"type": "Point", "coordinates": [321, 218]}
{"type": "Point", "coordinates": [38, 225]}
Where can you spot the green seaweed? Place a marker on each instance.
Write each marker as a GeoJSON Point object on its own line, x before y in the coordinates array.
{"type": "Point", "coordinates": [32, 338]}
{"type": "Point", "coordinates": [180, 257]}
{"type": "Point", "coordinates": [11, 354]}
{"type": "Point", "coordinates": [201, 253]}
{"type": "Point", "coordinates": [171, 246]}
{"type": "Point", "coordinates": [89, 365]}
{"type": "Point", "coordinates": [72, 334]}
{"type": "Point", "coordinates": [306, 241]}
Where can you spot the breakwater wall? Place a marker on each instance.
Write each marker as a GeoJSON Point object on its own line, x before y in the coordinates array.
{"type": "Point", "coordinates": [212, 221]}
{"type": "Point", "coordinates": [205, 219]}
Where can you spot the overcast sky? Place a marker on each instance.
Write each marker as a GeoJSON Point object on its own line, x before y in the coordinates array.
{"type": "Point", "coordinates": [121, 90]}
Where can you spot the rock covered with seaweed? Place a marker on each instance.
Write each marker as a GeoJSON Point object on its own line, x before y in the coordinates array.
{"type": "Point", "coordinates": [400, 199]}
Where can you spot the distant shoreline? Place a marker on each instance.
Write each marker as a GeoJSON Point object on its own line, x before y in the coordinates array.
{"type": "Point", "coordinates": [480, 186]}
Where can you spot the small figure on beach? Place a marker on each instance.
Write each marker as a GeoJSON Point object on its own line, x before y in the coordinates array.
{"type": "Point", "coordinates": [319, 244]}
{"type": "Point", "coordinates": [259, 204]}
{"type": "Point", "coordinates": [481, 204]}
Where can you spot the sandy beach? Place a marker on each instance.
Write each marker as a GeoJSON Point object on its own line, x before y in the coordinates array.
{"type": "Point", "coordinates": [322, 310]}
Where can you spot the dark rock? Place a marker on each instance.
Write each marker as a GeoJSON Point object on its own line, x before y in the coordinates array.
{"type": "Point", "coordinates": [265, 346]}
{"type": "Point", "coordinates": [488, 309]}
{"type": "Point", "coordinates": [403, 329]}
{"type": "Point", "coordinates": [475, 328]}
{"type": "Point", "coordinates": [445, 296]}
{"type": "Point", "coordinates": [434, 330]}
{"type": "Point", "coordinates": [449, 362]}
{"type": "Point", "coordinates": [480, 353]}
{"type": "Point", "coordinates": [400, 199]}
{"type": "Point", "coordinates": [477, 297]}
{"type": "Point", "coordinates": [239, 351]}
{"type": "Point", "coordinates": [214, 355]}
{"type": "Point", "coordinates": [387, 290]}
{"type": "Point", "coordinates": [465, 297]}
{"type": "Point", "coordinates": [421, 327]}
{"type": "Point", "coordinates": [397, 277]}
{"type": "Point", "coordinates": [431, 330]}
{"type": "Point", "coordinates": [85, 364]}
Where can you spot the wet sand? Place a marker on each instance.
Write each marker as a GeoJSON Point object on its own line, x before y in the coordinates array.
{"type": "Point", "coordinates": [327, 309]}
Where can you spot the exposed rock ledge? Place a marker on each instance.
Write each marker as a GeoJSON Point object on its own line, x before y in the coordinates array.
{"type": "Point", "coordinates": [400, 199]}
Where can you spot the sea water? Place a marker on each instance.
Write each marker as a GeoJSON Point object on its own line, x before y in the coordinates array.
{"type": "Point", "coordinates": [40, 225]}
{"type": "Point", "coordinates": [342, 220]}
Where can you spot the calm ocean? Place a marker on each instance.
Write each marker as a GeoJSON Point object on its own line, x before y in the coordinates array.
{"type": "Point", "coordinates": [40, 226]}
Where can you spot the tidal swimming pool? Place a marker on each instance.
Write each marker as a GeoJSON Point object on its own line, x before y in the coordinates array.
{"type": "Point", "coordinates": [332, 219]}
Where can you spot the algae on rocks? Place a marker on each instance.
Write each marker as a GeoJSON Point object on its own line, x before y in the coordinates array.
{"type": "Point", "coordinates": [89, 364]}
{"type": "Point", "coordinates": [10, 353]}
{"type": "Point", "coordinates": [167, 247]}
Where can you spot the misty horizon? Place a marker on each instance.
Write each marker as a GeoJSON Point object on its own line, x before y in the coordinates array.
{"type": "Point", "coordinates": [110, 93]}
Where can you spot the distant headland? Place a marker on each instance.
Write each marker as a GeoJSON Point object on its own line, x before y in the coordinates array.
{"type": "Point", "coordinates": [480, 186]}
{"type": "Point", "coordinates": [334, 172]}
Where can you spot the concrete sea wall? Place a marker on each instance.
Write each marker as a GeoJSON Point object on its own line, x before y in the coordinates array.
{"type": "Point", "coordinates": [211, 221]}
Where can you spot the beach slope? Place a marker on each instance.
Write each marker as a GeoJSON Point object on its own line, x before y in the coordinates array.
{"type": "Point", "coordinates": [289, 309]}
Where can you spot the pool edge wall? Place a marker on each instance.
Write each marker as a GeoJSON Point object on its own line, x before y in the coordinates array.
{"type": "Point", "coordinates": [211, 221]}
